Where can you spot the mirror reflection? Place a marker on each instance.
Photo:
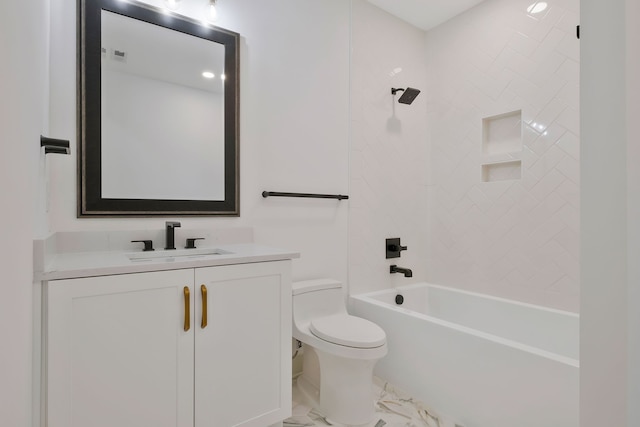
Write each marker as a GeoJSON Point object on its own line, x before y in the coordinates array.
{"type": "Point", "coordinates": [159, 113]}
{"type": "Point", "coordinates": [162, 113]}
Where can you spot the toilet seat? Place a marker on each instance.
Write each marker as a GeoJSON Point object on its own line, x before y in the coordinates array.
{"type": "Point", "coordinates": [346, 330]}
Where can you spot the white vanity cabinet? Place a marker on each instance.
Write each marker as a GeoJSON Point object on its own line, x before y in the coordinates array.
{"type": "Point", "coordinates": [195, 347]}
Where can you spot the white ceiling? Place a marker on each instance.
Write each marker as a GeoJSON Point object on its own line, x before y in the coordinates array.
{"type": "Point", "coordinates": [425, 14]}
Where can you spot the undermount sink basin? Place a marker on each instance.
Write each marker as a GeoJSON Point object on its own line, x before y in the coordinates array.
{"type": "Point", "coordinates": [177, 253]}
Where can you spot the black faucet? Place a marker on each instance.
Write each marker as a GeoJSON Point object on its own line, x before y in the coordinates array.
{"type": "Point", "coordinates": [405, 271]}
{"type": "Point", "coordinates": [171, 241]}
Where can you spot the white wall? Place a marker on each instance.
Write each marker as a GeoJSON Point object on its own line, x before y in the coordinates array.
{"type": "Point", "coordinates": [294, 127]}
{"type": "Point", "coordinates": [23, 81]}
{"type": "Point", "coordinates": [609, 380]}
{"type": "Point", "coordinates": [633, 209]}
{"type": "Point", "coordinates": [519, 238]}
{"type": "Point", "coordinates": [389, 153]}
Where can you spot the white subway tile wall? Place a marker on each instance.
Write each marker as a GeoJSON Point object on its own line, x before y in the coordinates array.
{"type": "Point", "coordinates": [521, 240]}
{"type": "Point", "coordinates": [416, 170]}
{"type": "Point", "coordinates": [388, 156]}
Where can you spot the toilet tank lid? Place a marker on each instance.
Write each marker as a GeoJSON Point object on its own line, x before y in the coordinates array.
{"type": "Point", "coordinates": [314, 285]}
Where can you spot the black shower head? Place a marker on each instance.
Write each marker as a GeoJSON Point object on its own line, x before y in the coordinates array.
{"type": "Point", "coordinates": [408, 96]}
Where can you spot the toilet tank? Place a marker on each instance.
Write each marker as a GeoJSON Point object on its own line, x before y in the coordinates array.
{"type": "Point", "coordinates": [317, 298]}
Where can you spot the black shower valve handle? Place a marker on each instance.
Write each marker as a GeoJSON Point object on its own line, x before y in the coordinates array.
{"type": "Point", "coordinates": [393, 248]}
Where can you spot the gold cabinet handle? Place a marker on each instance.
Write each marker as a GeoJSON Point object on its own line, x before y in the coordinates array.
{"type": "Point", "coordinates": [187, 309]}
{"type": "Point", "coordinates": [203, 289]}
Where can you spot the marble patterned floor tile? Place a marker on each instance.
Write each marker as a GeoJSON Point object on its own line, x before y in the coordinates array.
{"type": "Point", "coordinates": [394, 408]}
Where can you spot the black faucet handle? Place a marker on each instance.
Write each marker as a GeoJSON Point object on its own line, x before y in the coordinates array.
{"type": "Point", "coordinates": [148, 244]}
{"type": "Point", "coordinates": [172, 224]}
{"type": "Point", "coordinates": [191, 242]}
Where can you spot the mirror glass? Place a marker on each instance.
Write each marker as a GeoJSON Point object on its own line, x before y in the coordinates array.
{"type": "Point", "coordinates": [159, 110]}
{"type": "Point", "coordinates": [152, 76]}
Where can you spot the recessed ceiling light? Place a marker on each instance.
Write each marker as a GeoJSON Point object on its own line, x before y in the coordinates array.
{"type": "Point", "coordinates": [210, 11]}
{"type": "Point", "coordinates": [172, 4]}
{"type": "Point", "coordinates": [208, 74]}
{"type": "Point", "coordinates": [537, 7]}
{"type": "Point", "coordinates": [223, 77]}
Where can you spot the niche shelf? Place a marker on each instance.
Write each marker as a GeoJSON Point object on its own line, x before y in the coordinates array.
{"type": "Point", "coordinates": [503, 171]}
{"type": "Point", "coordinates": [502, 147]}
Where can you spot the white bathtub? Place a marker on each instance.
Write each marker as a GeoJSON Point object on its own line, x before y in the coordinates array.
{"type": "Point", "coordinates": [479, 360]}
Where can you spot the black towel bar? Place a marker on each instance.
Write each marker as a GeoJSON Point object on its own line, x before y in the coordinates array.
{"type": "Point", "coordinates": [307, 195]}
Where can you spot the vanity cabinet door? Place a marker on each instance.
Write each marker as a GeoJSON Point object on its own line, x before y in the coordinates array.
{"type": "Point", "coordinates": [242, 355]}
{"type": "Point", "coordinates": [117, 351]}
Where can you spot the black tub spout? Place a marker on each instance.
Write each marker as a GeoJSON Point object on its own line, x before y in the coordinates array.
{"type": "Point", "coordinates": [395, 269]}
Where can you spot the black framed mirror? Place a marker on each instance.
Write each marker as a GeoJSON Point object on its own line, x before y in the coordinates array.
{"type": "Point", "coordinates": [158, 98]}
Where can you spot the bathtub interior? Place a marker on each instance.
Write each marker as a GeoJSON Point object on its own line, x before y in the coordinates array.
{"type": "Point", "coordinates": [539, 327]}
{"type": "Point", "coordinates": [479, 360]}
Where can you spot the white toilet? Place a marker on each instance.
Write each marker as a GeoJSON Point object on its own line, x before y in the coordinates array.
{"type": "Point", "coordinates": [339, 354]}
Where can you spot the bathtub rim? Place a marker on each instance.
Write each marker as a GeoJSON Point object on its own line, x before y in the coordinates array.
{"type": "Point", "coordinates": [368, 298]}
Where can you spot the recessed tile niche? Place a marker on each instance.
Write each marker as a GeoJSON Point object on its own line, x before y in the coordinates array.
{"type": "Point", "coordinates": [502, 147]}
{"type": "Point", "coordinates": [502, 171]}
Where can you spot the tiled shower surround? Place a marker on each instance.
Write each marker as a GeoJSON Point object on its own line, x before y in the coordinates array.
{"type": "Point", "coordinates": [388, 163]}
{"type": "Point", "coordinates": [515, 238]}
{"type": "Point", "coordinates": [502, 222]}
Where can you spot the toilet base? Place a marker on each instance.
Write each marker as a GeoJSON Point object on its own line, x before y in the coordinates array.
{"type": "Point", "coordinates": [340, 387]}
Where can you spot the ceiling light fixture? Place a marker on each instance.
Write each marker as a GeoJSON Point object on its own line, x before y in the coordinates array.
{"type": "Point", "coordinates": [172, 4]}
{"type": "Point", "coordinates": [210, 11]}
{"type": "Point", "coordinates": [208, 74]}
{"type": "Point", "coordinates": [537, 7]}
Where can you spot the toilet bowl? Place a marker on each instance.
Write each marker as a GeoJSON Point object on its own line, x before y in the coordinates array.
{"type": "Point", "coordinates": [340, 352]}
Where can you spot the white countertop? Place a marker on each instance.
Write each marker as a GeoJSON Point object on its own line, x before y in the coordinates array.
{"type": "Point", "coordinates": [103, 263]}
